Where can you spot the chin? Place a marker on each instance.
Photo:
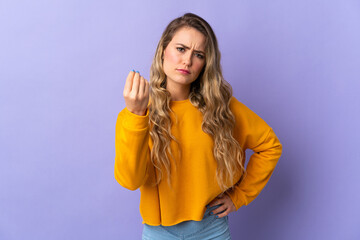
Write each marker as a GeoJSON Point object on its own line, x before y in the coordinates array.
{"type": "Point", "coordinates": [181, 80]}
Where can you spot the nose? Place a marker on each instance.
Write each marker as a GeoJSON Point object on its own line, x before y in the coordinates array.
{"type": "Point", "coordinates": [187, 58]}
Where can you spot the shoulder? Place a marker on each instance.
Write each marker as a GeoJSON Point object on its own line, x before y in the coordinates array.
{"type": "Point", "coordinates": [244, 116]}
{"type": "Point", "coordinates": [236, 104]}
{"type": "Point", "coordinates": [250, 129]}
{"type": "Point", "coordinates": [239, 109]}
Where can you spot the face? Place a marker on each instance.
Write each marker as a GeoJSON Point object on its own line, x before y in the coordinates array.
{"type": "Point", "coordinates": [184, 56]}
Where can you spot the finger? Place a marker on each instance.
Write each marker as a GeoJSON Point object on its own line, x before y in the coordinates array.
{"type": "Point", "coordinates": [136, 82]}
{"type": "Point", "coordinates": [146, 92]}
{"type": "Point", "coordinates": [129, 82]}
{"type": "Point", "coordinates": [215, 202]}
{"type": "Point", "coordinates": [219, 209]}
{"type": "Point", "coordinates": [224, 214]}
{"type": "Point", "coordinates": [141, 86]}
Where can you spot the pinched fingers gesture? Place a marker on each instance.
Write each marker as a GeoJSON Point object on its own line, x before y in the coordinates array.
{"type": "Point", "coordinates": [136, 93]}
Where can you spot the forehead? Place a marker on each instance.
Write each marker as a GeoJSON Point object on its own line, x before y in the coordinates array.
{"type": "Point", "coordinates": [189, 37]}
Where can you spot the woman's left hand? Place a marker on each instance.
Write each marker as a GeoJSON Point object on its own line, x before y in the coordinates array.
{"type": "Point", "coordinates": [227, 205]}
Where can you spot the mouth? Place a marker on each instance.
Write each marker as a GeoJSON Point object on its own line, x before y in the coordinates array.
{"type": "Point", "coordinates": [183, 71]}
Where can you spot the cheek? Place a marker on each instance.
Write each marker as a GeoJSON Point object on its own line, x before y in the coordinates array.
{"type": "Point", "coordinates": [171, 57]}
{"type": "Point", "coordinates": [199, 66]}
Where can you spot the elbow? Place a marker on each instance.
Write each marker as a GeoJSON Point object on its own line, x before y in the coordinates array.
{"type": "Point", "coordinates": [127, 181]}
{"type": "Point", "coordinates": [279, 148]}
{"type": "Point", "coordinates": [276, 151]}
{"type": "Point", "coordinates": [276, 145]}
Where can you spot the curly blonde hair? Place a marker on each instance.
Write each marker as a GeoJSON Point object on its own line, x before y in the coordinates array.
{"type": "Point", "coordinates": [209, 93]}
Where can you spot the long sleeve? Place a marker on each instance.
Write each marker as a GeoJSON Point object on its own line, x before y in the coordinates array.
{"type": "Point", "coordinates": [132, 154]}
{"type": "Point", "coordinates": [254, 133]}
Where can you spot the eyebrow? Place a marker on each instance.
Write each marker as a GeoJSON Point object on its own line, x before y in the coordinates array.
{"type": "Point", "coordinates": [189, 48]}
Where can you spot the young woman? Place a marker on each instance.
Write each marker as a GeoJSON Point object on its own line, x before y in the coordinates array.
{"type": "Point", "coordinates": [182, 138]}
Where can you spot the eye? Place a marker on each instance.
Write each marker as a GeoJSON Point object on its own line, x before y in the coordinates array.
{"type": "Point", "coordinates": [199, 55]}
{"type": "Point", "coordinates": [180, 49]}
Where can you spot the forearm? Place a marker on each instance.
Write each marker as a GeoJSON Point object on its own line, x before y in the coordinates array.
{"type": "Point", "coordinates": [258, 171]}
{"type": "Point", "coordinates": [132, 152]}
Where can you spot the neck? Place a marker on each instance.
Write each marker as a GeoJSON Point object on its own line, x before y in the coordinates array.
{"type": "Point", "coordinates": [178, 92]}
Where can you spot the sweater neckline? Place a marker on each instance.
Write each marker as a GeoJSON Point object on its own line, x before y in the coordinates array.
{"type": "Point", "coordinates": [179, 101]}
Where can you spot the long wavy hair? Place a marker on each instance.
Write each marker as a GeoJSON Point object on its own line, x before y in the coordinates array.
{"type": "Point", "coordinates": [209, 93]}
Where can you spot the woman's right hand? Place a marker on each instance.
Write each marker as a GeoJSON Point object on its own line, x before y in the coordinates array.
{"type": "Point", "coordinates": [136, 93]}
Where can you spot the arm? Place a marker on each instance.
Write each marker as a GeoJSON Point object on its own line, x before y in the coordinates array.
{"type": "Point", "coordinates": [255, 134]}
{"type": "Point", "coordinates": [132, 154]}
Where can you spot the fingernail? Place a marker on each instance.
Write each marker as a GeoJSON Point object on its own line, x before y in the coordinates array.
{"type": "Point", "coordinates": [211, 213]}
{"type": "Point", "coordinates": [137, 71]}
{"type": "Point", "coordinates": [133, 70]}
{"type": "Point", "coordinates": [217, 216]}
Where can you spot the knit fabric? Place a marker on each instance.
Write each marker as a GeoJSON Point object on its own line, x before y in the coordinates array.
{"type": "Point", "coordinates": [194, 184]}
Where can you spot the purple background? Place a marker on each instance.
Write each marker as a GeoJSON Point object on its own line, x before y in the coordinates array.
{"type": "Point", "coordinates": [63, 66]}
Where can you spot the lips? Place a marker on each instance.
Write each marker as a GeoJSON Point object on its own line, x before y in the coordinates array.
{"type": "Point", "coordinates": [183, 71]}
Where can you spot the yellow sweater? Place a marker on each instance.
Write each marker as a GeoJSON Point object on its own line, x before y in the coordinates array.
{"type": "Point", "coordinates": [194, 182]}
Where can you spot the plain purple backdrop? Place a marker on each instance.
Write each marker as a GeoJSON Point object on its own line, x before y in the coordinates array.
{"type": "Point", "coordinates": [63, 66]}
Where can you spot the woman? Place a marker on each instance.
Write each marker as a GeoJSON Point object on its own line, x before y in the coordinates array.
{"type": "Point", "coordinates": [182, 138]}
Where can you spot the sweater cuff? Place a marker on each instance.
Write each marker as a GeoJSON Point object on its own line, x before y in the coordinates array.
{"type": "Point", "coordinates": [237, 198]}
{"type": "Point", "coordinates": [135, 122]}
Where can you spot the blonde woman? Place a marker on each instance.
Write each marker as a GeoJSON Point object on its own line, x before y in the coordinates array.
{"type": "Point", "coordinates": [182, 138]}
